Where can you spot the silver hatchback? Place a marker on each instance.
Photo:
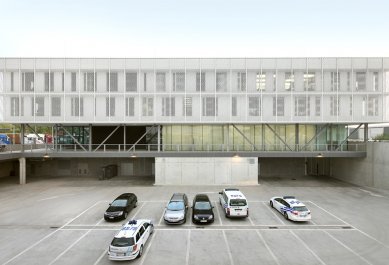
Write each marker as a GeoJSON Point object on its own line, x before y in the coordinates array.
{"type": "Point", "coordinates": [176, 209]}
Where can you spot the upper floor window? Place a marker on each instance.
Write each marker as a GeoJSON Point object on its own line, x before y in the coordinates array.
{"type": "Point", "coordinates": [254, 106]}
{"type": "Point", "coordinates": [278, 106]}
{"type": "Point", "coordinates": [289, 81]}
{"type": "Point", "coordinates": [168, 106]}
{"type": "Point", "coordinates": [241, 81]}
{"type": "Point", "coordinates": [38, 106]}
{"type": "Point", "coordinates": [317, 106]}
{"type": "Point", "coordinates": [89, 81]}
{"type": "Point", "coordinates": [234, 107]}
{"type": "Point", "coordinates": [77, 106]}
{"type": "Point", "coordinates": [73, 83]}
{"type": "Point", "coordinates": [375, 81]}
{"type": "Point", "coordinates": [28, 81]}
{"type": "Point", "coordinates": [131, 81]}
{"type": "Point", "coordinates": [130, 106]}
{"type": "Point", "coordinates": [188, 106]}
{"type": "Point", "coordinates": [160, 79]}
{"type": "Point", "coordinates": [49, 81]}
{"type": "Point", "coordinates": [260, 82]}
{"type": "Point", "coordinates": [360, 81]}
{"type": "Point", "coordinates": [112, 82]}
{"type": "Point", "coordinates": [179, 81]}
{"type": "Point", "coordinates": [221, 81]}
{"type": "Point", "coordinates": [210, 106]}
{"type": "Point", "coordinates": [301, 106]}
{"type": "Point", "coordinates": [200, 81]}
{"type": "Point", "coordinates": [56, 106]}
{"type": "Point", "coordinates": [110, 106]}
{"type": "Point", "coordinates": [372, 106]}
{"type": "Point", "coordinates": [16, 108]}
{"type": "Point", "coordinates": [309, 82]}
{"type": "Point", "coordinates": [334, 81]}
{"type": "Point", "coordinates": [334, 106]}
{"type": "Point", "coordinates": [147, 106]}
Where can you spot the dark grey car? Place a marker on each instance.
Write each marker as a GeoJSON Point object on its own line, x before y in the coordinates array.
{"type": "Point", "coordinates": [176, 209]}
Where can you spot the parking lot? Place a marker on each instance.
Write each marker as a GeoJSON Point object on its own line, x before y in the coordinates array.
{"type": "Point", "coordinates": [60, 221]}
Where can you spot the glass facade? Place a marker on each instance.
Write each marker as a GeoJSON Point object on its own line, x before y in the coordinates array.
{"type": "Point", "coordinates": [264, 137]}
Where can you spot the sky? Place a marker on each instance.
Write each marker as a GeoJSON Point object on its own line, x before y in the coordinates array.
{"type": "Point", "coordinates": [201, 28]}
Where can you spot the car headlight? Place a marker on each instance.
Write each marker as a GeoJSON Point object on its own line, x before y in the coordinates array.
{"type": "Point", "coordinates": [210, 217]}
{"type": "Point", "coordinates": [120, 213]}
{"type": "Point", "coordinates": [195, 217]}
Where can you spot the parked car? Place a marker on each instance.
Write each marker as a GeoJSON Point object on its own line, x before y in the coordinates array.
{"type": "Point", "coordinates": [129, 242]}
{"type": "Point", "coordinates": [234, 203]}
{"type": "Point", "coordinates": [120, 207]}
{"type": "Point", "coordinates": [176, 209]}
{"type": "Point", "coordinates": [291, 208]}
{"type": "Point", "coordinates": [202, 209]}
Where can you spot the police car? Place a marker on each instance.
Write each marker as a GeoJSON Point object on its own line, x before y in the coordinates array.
{"type": "Point", "coordinates": [129, 242]}
{"type": "Point", "coordinates": [291, 208]}
{"type": "Point", "coordinates": [234, 203]}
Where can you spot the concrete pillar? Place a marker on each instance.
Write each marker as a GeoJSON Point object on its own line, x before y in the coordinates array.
{"type": "Point", "coordinates": [22, 170]}
{"type": "Point", "coordinates": [90, 138]}
{"type": "Point", "coordinates": [366, 132]}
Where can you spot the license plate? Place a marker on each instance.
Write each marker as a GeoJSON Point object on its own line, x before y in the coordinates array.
{"type": "Point", "coordinates": [110, 217]}
{"type": "Point", "coordinates": [303, 215]}
{"type": "Point", "coordinates": [203, 221]}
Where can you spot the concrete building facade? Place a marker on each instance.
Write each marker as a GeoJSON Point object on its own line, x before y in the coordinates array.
{"type": "Point", "coordinates": [197, 107]}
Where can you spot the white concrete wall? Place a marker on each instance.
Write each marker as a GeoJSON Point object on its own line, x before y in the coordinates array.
{"type": "Point", "coordinates": [206, 171]}
{"type": "Point", "coordinates": [371, 171]}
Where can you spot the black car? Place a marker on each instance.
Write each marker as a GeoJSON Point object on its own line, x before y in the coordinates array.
{"type": "Point", "coordinates": [202, 209]}
{"type": "Point", "coordinates": [120, 207]}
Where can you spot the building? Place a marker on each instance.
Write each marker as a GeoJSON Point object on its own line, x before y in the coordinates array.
{"type": "Point", "coordinates": [198, 120]}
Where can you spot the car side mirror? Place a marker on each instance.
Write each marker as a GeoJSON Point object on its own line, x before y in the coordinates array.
{"type": "Point", "coordinates": [220, 193]}
{"type": "Point", "coordinates": [110, 204]}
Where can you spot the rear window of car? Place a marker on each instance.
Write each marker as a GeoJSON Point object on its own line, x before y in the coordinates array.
{"type": "Point", "coordinates": [119, 203]}
{"type": "Point", "coordinates": [202, 205]}
{"type": "Point", "coordinates": [123, 242]}
{"type": "Point", "coordinates": [300, 208]}
{"type": "Point", "coordinates": [176, 206]}
{"type": "Point", "coordinates": [238, 202]}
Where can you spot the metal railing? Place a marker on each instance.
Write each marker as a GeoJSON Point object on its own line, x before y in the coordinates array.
{"type": "Point", "coordinates": [42, 148]}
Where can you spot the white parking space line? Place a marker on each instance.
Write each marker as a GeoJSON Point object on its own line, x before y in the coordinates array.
{"type": "Point", "coordinates": [160, 219]}
{"type": "Point", "coordinates": [349, 249]}
{"type": "Point", "coordinates": [371, 193]}
{"type": "Point", "coordinates": [188, 249]}
{"type": "Point", "coordinates": [101, 256]}
{"type": "Point", "coordinates": [267, 247]}
{"type": "Point", "coordinates": [228, 248]}
{"type": "Point", "coordinates": [218, 214]}
{"type": "Point", "coordinates": [251, 221]}
{"type": "Point", "coordinates": [148, 248]}
{"type": "Point", "coordinates": [52, 233]}
{"type": "Point", "coordinates": [140, 208]}
{"type": "Point", "coordinates": [68, 248]}
{"type": "Point", "coordinates": [333, 215]}
{"type": "Point", "coordinates": [55, 197]}
{"type": "Point", "coordinates": [308, 248]}
{"type": "Point", "coordinates": [272, 211]}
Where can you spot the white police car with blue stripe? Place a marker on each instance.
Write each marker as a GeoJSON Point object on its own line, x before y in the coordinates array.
{"type": "Point", "coordinates": [291, 208]}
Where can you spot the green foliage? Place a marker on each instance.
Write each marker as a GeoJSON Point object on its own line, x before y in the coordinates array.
{"type": "Point", "coordinates": [381, 137]}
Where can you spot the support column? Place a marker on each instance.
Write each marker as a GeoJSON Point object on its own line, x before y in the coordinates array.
{"type": "Point", "coordinates": [22, 170]}
{"type": "Point", "coordinates": [297, 137]}
{"type": "Point", "coordinates": [159, 138]}
{"type": "Point", "coordinates": [22, 137]}
{"type": "Point", "coordinates": [366, 132]}
{"type": "Point", "coordinates": [90, 138]}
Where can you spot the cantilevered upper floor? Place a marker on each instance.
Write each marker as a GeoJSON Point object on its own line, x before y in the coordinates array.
{"type": "Point", "coordinates": [202, 91]}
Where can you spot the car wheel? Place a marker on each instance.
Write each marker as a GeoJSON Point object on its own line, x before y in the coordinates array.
{"type": "Point", "coordinates": [136, 204]}
{"type": "Point", "coordinates": [271, 204]}
{"type": "Point", "coordinates": [286, 215]}
{"type": "Point", "coordinates": [140, 252]}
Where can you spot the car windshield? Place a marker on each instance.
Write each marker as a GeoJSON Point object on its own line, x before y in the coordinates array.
{"type": "Point", "coordinates": [176, 206]}
{"type": "Point", "coordinates": [123, 242]}
{"type": "Point", "coordinates": [238, 202]}
{"type": "Point", "coordinates": [300, 208]}
{"type": "Point", "coordinates": [202, 205]}
{"type": "Point", "coordinates": [119, 203]}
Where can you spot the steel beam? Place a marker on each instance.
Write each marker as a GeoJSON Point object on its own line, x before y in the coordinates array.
{"type": "Point", "coordinates": [133, 146]}
{"type": "Point", "coordinates": [244, 136]}
{"type": "Point", "coordinates": [315, 136]}
{"type": "Point", "coordinates": [276, 134]}
{"type": "Point", "coordinates": [117, 127]}
{"type": "Point", "coordinates": [345, 140]}
{"type": "Point", "coordinates": [74, 139]}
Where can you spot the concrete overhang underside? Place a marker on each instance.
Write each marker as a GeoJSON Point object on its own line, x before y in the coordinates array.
{"type": "Point", "coordinates": [275, 154]}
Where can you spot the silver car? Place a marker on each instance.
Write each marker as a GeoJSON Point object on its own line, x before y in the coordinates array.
{"type": "Point", "coordinates": [176, 209]}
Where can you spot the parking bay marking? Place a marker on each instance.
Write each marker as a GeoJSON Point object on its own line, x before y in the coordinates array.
{"type": "Point", "coordinates": [267, 247]}
{"type": "Point", "coordinates": [272, 211]}
{"type": "Point", "coordinates": [52, 233]}
{"type": "Point", "coordinates": [308, 248]}
{"type": "Point", "coordinates": [364, 233]}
